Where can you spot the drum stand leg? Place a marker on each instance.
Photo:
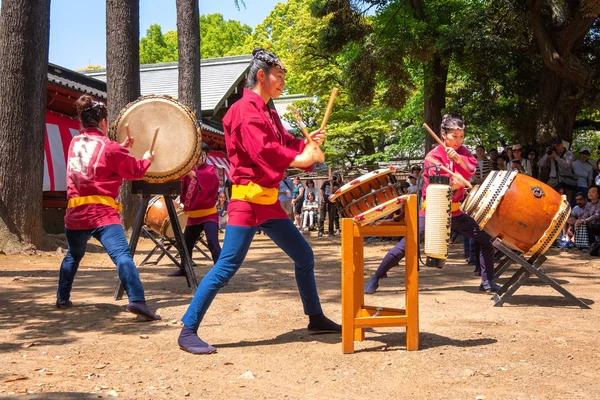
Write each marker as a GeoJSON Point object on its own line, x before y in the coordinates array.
{"type": "Point", "coordinates": [528, 268]}
{"type": "Point", "coordinates": [356, 316]}
{"type": "Point", "coordinates": [135, 236]}
{"type": "Point", "coordinates": [186, 261]}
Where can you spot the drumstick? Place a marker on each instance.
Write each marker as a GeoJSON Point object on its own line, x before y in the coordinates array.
{"type": "Point", "coordinates": [296, 116]}
{"type": "Point", "coordinates": [128, 132]}
{"type": "Point", "coordinates": [456, 176]}
{"type": "Point", "coordinates": [334, 93]}
{"type": "Point", "coordinates": [432, 133]}
{"type": "Point", "coordinates": [154, 140]}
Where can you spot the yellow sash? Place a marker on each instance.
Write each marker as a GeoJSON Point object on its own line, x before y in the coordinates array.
{"type": "Point", "coordinates": [455, 206]}
{"type": "Point", "coordinates": [253, 193]}
{"type": "Point", "coordinates": [96, 199]}
{"type": "Point", "coordinates": [201, 213]}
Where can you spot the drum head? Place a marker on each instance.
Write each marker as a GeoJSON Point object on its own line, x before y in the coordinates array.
{"type": "Point", "coordinates": [167, 230]}
{"type": "Point", "coordinates": [179, 138]}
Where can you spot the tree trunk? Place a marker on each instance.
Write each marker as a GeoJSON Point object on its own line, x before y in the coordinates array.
{"type": "Point", "coordinates": [123, 76]}
{"type": "Point", "coordinates": [434, 92]}
{"type": "Point", "coordinates": [558, 108]}
{"type": "Point", "coordinates": [188, 38]}
{"type": "Point", "coordinates": [24, 33]}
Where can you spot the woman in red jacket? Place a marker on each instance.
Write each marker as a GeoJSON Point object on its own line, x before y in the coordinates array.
{"type": "Point", "coordinates": [259, 151]}
{"type": "Point", "coordinates": [96, 167]}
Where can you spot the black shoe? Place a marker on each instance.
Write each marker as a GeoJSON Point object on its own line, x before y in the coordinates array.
{"type": "Point", "coordinates": [330, 234]}
{"type": "Point", "coordinates": [491, 287]}
{"type": "Point", "coordinates": [319, 324]}
{"type": "Point", "coordinates": [179, 272]}
{"type": "Point", "coordinates": [63, 304]}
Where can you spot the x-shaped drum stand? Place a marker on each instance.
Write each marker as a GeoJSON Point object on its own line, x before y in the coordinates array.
{"type": "Point", "coordinates": [529, 267]}
{"type": "Point", "coordinates": [170, 191]}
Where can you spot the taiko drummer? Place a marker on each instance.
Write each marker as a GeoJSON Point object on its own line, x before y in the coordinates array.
{"type": "Point", "coordinates": [199, 189]}
{"type": "Point", "coordinates": [96, 168]}
{"type": "Point", "coordinates": [259, 151]}
{"type": "Point", "coordinates": [458, 159]}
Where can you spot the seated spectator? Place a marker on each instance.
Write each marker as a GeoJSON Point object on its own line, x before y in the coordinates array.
{"type": "Point", "coordinates": [591, 216]}
{"type": "Point", "coordinates": [310, 210]}
{"type": "Point", "coordinates": [310, 187]}
{"type": "Point", "coordinates": [569, 238]}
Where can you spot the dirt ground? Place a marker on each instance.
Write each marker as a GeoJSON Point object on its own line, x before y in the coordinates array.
{"type": "Point", "coordinates": [538, 346]}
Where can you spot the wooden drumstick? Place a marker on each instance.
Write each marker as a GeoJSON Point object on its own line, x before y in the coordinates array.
{"type": "Point", "coordinates": [296, 116]}
{"type": "Point", "coordinates": [334, 93]}
{"type": "Point", "coordinates": [154, 140]}
{"type": "Point", "coordinates": [128, 132]}
{"type": "Point", "coordinates": [456, 176]}
{"type": "Point", "coordinates": [432, 133]}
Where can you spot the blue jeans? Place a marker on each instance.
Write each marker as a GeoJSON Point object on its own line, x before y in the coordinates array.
{"type": "Point", "coordinates": [113, 239]}
{"type": "Point", "coordinates": [235, 247]}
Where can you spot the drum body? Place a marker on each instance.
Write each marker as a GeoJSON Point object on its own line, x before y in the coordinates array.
{"type": "Point", "coordinates": [526, 214]}
{"type": "Point", "coordinates": [369, 197]}
{"type": "Point", "coordinates": [179, 140]}
{"type": "Point", "coordinates": [157, 217]}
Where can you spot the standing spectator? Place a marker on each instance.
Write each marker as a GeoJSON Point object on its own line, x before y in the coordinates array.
{"type": "Point", "coordinates": [298, 200]}
{"type": "Point", "coordinates": [502, 160]}
{"type": "Point", "coordinates": [327, 207]}
{"type": "Point", "coordinates": [583, 171]}
{"type": "Point", "coordinates": [484, 165]}
{"type": "Point", "coordinates": [222, 203]}
{"type": "Point", "coordinates": [535, 168]}
{"type": "Point", "coordinates": [404, 187]}
{"type": "Point", "coordinates": [493, 155]}
{"type": "Point", "coordinates": [509, 153]}
{"type": "Point", "coordinates": [285, 195]}
{"type": "Point", "coordinates": [310, 208]}
{"type": "Point", "coordinates": [310, 188]}
{"type": "Point", "coordinates": [559, 161]}
{"type": "Point", "coordinates": [412, 178]}
{"type": "Point", "coordinates": [518, 163]}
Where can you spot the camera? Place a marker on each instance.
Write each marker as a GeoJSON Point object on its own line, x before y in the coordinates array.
{"type": "Point", "coordinates": [550, 150]}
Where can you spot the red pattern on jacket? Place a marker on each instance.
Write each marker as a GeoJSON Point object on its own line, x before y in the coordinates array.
{"type": "Point", "coordinates": [97, 166]}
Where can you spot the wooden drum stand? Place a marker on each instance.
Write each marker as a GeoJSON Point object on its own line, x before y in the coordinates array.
{"type": "Point", "coordinates": [356, 316]}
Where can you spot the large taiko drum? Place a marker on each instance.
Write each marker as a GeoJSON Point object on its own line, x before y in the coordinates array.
{"type": "Point", "coordinates": [370, 197]}
{"type": "Point", "coordinates": [526, 214]}
{"type": "Point", "coordinates": [157, 217]}
{"type": "Point", "coordinates": [179, 140]}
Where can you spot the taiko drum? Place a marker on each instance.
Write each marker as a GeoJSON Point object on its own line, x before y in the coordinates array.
{"type": "Point", "coordinates": [370, 197]}
{"type": "Point", "coordinates": [526, 214]}
{"type": "Point", "coordinates": [157, 217]}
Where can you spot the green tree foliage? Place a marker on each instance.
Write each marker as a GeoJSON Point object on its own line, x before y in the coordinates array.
{"type": "Point", "coordinates": [218, 38]}
{"type": "Point", "coordinates": [221, 38]}
{"type": "Point", "coordinates": [155, 49]}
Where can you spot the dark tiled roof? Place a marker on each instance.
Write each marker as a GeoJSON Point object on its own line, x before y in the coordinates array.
{"type": "Point", "coordinates": [219, 78]}
{"type": "Point", "coordinates": [212, 126]}
{"type": "Point", "coordinates": [76, 81]}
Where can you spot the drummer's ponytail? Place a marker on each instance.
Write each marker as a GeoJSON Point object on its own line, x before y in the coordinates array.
{"type": "Point", "coordinates": [261, 59]}
{"type": "Point", "coordinates": [90, 112]}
